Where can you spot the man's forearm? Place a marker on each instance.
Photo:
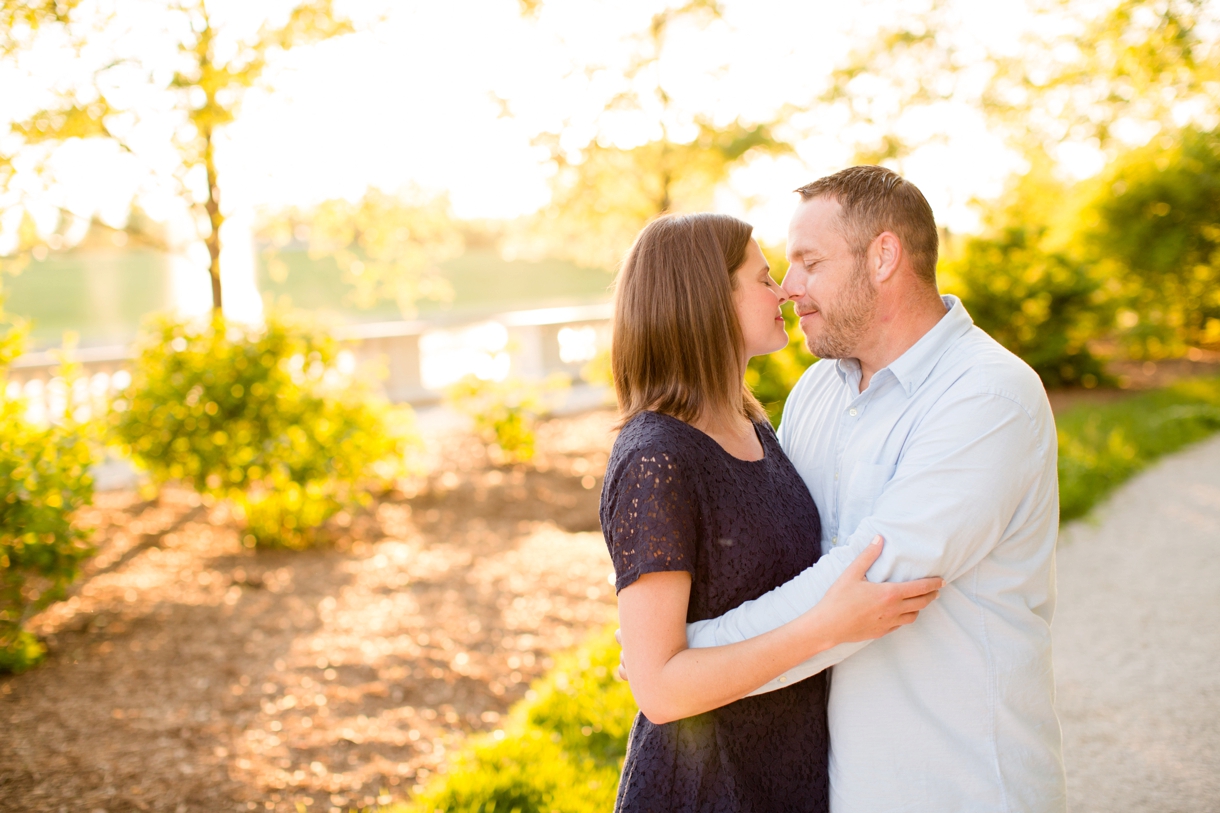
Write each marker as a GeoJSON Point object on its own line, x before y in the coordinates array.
{"type": "Point", "coordinates": [819, 662]}
{"type": "Point", "coordinates": [779, 606]}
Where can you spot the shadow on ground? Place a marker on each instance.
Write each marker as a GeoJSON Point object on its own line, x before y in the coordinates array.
{"type": "Point", "coordinates": [187, 673]}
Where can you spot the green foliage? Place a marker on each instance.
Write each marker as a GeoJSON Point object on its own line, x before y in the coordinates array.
{"type": "Point", "coordinates": [1036, 300]}
{"type": "Point", "coordinates": [504, 412]}
{"type": "Point", "coordinates": [44, 479]}
{"type": "Point", "coordinates": [560, 750]}
{"type": "Point", "coordinates": [387, 247]}
{"type": "Point", "coordinates": [603, 192]}
{"type": "Point", "coordinates": [216, 67]}
{"type": "Point", "coordinates": [603, 196]}
{"type": "Point", "coordinates": [1101, 446]}
{"type": "Point", "coordinates": [1154, 219]}
{"type": "Point", "coordinates": [263, 418]}
{"type": "Point", "coordinates": [1041, 305]}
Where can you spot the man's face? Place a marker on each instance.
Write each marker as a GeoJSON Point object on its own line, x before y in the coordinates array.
{"type": "Point", "coordinates": [828, 285]}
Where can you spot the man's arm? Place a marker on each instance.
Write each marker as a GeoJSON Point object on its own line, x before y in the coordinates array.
{"type": "Point", "coordinates": [954, 491]}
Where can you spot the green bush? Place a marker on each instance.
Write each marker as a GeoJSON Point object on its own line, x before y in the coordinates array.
{"type": "Point", "coordinates": [560, 750]}
{"type": "Point", "coordinates": [1153, 220]}
{"type": "Point", "coordinates": [1022, 281]}
{"type": "Point", "coordinates": [504, 412]}
{"type": "Point", "coordinates": [261, 417]}
{"type": "Point", "coordinates": [44, 479]}
{"type": "Point", "coordinates": [1042, 305]}
{"type": "Point", "coordinates": [1101, 446]}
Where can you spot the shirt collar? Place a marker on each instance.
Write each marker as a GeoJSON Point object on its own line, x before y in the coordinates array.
{"type": "Point", "coordinates": [913, 367]}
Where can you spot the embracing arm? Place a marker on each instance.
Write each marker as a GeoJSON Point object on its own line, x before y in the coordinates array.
{"type": "Point", "coordinates": [670, 681]}
{"type": "Point", "coordinates": [955, 490]}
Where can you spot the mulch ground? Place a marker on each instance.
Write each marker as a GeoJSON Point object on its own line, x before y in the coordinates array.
{"type": "Point", "coordinates": [187, 673]}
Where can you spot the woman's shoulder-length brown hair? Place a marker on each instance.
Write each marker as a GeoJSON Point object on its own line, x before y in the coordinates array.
{"type": "Point", "coordinates": [677, 346]}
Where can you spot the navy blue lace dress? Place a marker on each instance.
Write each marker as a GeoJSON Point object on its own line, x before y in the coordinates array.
{"type": "Point", "coordinates": [673, 499]}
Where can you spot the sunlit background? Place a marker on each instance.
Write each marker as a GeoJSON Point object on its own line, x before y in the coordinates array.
{"type": "Point", "coordinates": [476, 103]}
{"type": "Point", "coordinates": [233, 576]}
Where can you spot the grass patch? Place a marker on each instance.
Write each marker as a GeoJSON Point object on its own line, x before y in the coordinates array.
{"type": "Point", "coordinates": [562, 748]}
{"type": "Point", "coordinates": [1101, 446]}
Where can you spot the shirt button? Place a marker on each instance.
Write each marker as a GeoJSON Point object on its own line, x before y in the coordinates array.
{"type": "Point", "coordinates": [836, 475]}
{"type": "Point", "coordinates": [834, 540]}
{"type": "Point", "coordinates": [852, 412]}
{"type": "Point", "coordinates": [783, 678]}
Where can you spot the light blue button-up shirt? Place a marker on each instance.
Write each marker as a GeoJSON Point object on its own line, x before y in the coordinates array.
{"type": "Point", "coordinates": [950, 454]}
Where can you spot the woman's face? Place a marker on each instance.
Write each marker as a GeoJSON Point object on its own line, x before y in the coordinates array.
{"type": "Point", "coordinates": [758, 299]}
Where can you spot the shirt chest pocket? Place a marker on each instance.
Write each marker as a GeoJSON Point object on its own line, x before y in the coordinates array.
{"type": "Point", "coordinates": [864, 485]}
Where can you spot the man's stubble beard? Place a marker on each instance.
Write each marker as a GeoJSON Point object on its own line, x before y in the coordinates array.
{"type": "Point", "coordinates": [844, 326]}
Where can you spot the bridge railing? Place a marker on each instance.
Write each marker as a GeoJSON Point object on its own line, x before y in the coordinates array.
{"type": "Point", "coordinates": [417, 359]}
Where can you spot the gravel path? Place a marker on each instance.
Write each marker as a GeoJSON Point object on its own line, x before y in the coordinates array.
{"type": "Point", "coordinates": [1137, 643]}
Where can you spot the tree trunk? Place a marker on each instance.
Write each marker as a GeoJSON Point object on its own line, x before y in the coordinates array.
{"type": "Point", "coordinates": [215, 219]}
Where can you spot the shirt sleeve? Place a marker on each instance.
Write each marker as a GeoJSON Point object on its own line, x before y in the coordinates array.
{"type": "Point", "coordinates": [955, 490]}
{"type": "Point", "coordinates": [650, 524]}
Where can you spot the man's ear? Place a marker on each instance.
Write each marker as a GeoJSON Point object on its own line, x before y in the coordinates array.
{"type": "Point", "coordinates": [885, 255]}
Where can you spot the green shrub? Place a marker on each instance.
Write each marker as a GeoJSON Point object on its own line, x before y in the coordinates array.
{"type": "Point", "coordinates": [1153, 221]}
{"type": "Point", "coordinates": [1041, 305]}
{"type": "Point", "coordinates": [560, 750]}
{"type": "Point", "coordinates": [1101, 446]}
{"type": "Point", "coordinates": [505, 412]}
{"type": "Point", "coordinates": [262, 418]}
{"type": "Point", "coordinates": [44, 479]}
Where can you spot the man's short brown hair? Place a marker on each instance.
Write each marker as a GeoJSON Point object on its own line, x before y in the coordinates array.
{"type": "Point", "coordinates": [873, 200]}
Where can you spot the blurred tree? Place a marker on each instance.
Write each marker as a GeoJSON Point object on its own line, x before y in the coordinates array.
{"type": "Point", "coordinates": [387, 246]}
{"type": "Point", "coordinates": [20, 20]}
{"type": "Point", "coordinates": [215, 69]}
{"type": "Point", "coordinates": [1114, 78]}
{"type": "Point", "coordinates": [1153, 220]}
{"type": "Point", "coordinates": [1026, 289]}
{"type": "Point", "coordinates": [265, 418]}
{"type": "Point", "coordinates": [910, 65]}
{"type": "Point", "coordinates": [1110, 80]}
{"type": "Point", "coordinates": [603, 192]}
{"type": "Point", "coordinates": [604, 195]}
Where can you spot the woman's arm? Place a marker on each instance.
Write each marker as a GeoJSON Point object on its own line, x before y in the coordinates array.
{"type": "Point", "coordinates": [670, 681]}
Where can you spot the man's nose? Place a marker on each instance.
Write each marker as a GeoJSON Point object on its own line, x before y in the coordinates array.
{"type": "Point", "coordinates": [793, 284]}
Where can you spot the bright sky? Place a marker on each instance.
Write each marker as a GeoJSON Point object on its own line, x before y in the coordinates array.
{"type": "Point", "coordinates": [410, 101]}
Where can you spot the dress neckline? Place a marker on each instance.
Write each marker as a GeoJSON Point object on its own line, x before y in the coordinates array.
{"type": "Point", "coordinates": [709, 439]}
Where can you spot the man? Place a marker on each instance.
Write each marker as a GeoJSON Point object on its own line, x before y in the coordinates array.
{"type": "Point", "coordinates": [918, 427]}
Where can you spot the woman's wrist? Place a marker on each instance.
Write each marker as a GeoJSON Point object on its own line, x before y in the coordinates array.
{"type": "Point", "coordinates": [812, 637]}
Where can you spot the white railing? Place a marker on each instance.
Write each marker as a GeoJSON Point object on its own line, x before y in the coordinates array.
{"type": "Point", "coordinates": [419, 359]}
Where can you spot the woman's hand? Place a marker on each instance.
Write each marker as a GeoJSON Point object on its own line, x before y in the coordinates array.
{"type": "Point", "coordinates": [855, 609]}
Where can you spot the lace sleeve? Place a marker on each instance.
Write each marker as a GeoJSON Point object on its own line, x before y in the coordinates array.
{"type": "Point", "coordinates": [649, 517]}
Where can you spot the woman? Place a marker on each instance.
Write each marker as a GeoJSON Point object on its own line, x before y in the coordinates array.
{"type": "Point", "coordinates": [701, 512]}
